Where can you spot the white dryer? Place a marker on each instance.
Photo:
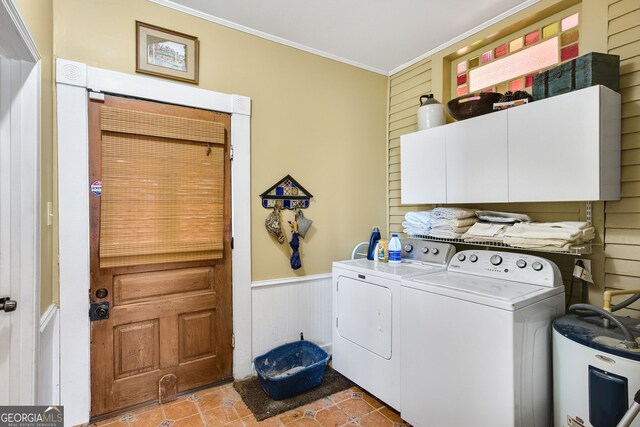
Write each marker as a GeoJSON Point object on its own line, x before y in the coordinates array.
{"type": "Point", "coordinates": [366, 313]}
{"type": "Point", "coordinates": [476, 342]}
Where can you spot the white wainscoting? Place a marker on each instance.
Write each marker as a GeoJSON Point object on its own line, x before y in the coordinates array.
{"type": "Point", "coordinates": [48, 377]}
{"type": "Point", "coordinates": [283, 308]}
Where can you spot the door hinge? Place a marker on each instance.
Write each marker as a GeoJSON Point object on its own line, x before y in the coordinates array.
{"type": "Point", "coordinates": [96, 96]}
{"type": "Point", "coordinates": [233, 340]}
{"type": "Point", "coordinates": [232, 243]}
{"type": "Point", "coordinates": [336, 322]}
{"type": "Point", "coordinates": [337, 286]}
{"type": "Point", "coordinates": [231, 153]}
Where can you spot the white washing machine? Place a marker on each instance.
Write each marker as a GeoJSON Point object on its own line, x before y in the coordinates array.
{"type": "Point", "coordinates": [476, 345]}
{"type": "Point", "coordinates": [366, 313]}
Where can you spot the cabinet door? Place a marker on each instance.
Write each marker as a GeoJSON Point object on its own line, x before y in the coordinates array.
{"type": "Point", "coordinates": [477, 169]}
{"type": "Point", "coordinates": [554, 148]}
{"type": "Point", "coordinates": [422, 167]}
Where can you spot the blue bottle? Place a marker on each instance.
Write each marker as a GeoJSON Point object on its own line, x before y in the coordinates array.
{"type": "Point", "coordinates": [375, 236]}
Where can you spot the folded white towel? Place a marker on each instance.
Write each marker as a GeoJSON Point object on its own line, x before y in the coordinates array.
{"type": "Point", "coordinates": [413, 230]}
{"type": "Point", "coordinates": [407, 224]}
{"type": "Point", "coordinates": [460, 230]}
{"type": "Point", "coordinates": [549, 248]}
{"type": "Point", "coordinates": [453, 213]}
{"type": "Point", "coordinates": [445, 234]}
{"type": "Point", "coordinates": [566, 230]}
{"type": "Point", "coordinates": [444, 222]}
{"type": "Point", "coordinates": [533, 243]}
{"type": "Point", "coordinates": [482, 229]}
{"type": "Point", "coordinates": [448, 232]}
{"type": "Point", "coordinates": [418, 218]}
{"type": "Point", "coordinates": [504, 217]}
{"type": "Point", "coordinates": [498, 238]}
{"type": "Point", "coordinates": [573, 225]}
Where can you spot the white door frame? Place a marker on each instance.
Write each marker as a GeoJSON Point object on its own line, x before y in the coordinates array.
{"type": "Point", "coordinates": [19, 205]}
{"type": "Point", "coordinates": [73, 81]}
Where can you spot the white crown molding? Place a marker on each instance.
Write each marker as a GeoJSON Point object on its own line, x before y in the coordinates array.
{"type": "Point", "coordinates": [266, 36]}
{"type": "Point", "coordinates": [464, 35]}
{"type": "Point", "coordinates": [22, 29]}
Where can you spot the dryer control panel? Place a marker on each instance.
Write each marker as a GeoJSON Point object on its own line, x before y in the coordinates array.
{"type": "Point", "coordinates": [424, 251]}
{"type": "Point", "coordinates": [507, 266]}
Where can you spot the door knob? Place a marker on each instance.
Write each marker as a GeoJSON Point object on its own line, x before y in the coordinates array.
{"type": "Point", "coordinates": [7, 304]}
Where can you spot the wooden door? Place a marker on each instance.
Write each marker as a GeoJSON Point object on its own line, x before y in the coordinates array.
{"type": "Point", "coordinates": [169, 309]}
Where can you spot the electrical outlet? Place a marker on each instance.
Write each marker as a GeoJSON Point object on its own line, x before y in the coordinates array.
{"type": "Point", "coordinates": [586, 262]}
{"type": "Point", "coordinates": [583, 272]}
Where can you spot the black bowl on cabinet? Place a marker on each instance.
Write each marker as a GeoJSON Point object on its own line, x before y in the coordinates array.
{"type": "Point", "coordinates": [472, 105]}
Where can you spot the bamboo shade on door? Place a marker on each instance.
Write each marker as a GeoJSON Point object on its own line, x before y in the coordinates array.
{"type": "Point", "coordinates": [162, 196]}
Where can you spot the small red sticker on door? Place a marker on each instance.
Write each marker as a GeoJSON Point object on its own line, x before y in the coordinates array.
{"type": "Point", "coordinates": [96, 187]}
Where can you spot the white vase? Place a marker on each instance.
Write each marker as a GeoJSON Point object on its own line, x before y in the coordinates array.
{"type": "Point", "coordinates": [430, 113]}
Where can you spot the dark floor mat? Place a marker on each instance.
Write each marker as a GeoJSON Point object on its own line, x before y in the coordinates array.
{"type": "Point", "coordinates": [264, 407]}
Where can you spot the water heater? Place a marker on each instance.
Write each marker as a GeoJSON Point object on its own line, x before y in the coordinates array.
{"type": "Point", "coordinates": [595, 376]}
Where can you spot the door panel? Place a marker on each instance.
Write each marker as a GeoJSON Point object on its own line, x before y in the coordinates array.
{"type": "Point", "coordinates": [165, 318]}
{"type": "Point", "coordinates": [136, 348]}
{"type": "Point", "coordinates": [144, 286]}
{"type": "Point", "coordinates": [197, 335]}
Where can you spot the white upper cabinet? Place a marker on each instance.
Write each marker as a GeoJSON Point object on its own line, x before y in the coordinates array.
{"type": "Point", "coordinates": [477, 169]}
{"type": "Point", "coordinates": [566, 148]}
{"type": "Point", "coordinates": [422, 169]}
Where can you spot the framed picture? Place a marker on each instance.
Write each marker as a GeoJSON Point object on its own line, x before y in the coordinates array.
{"type": "Point", "coordinates": [166, 53]}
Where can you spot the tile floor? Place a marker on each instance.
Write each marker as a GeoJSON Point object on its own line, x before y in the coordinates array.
{"type": "Point", "coordinates": [222, 406]}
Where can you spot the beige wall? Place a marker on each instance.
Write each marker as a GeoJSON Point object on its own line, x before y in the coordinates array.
{"type": "Point", "coordinates": [605, 26]}
{"type": "Point", "coordinates": [319, 120]}
{"type": "Point", "coordinates": [38, 15]}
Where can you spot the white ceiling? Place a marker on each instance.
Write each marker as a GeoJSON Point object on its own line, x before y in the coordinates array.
{"type": "Point", "coordinates": [378, 35]}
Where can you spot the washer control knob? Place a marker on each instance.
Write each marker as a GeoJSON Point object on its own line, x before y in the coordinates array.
{"type": "Point", "coordinates": [461, 257]}
{"type": "Point", "coordinates": [408, 247]}
{"type": "Point", "coordinates": [425, 250]}
{"type": "Point", "coordinates": [473, 257]}
{"type": "Point", "coordinates": [521, 263]}
{"type": "Point", "coordinates": [435, 251]}
{"type": "Point", "coordinates": [537, 266]}
{"type": "Point", "coordinates": [496, 259]}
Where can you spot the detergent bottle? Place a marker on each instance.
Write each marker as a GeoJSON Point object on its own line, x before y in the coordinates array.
{"type": "Point", "coordinates": [373, 240]}
{"type": "Point", "coordinates": [395, 250]}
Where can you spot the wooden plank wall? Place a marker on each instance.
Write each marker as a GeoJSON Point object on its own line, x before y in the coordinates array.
{"type": "Point", "coordinates": [405, 89]}
{"type": "Point", "coordinates": [622, 223]}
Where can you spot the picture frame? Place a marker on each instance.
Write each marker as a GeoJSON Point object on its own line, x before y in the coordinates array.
{"type": "Point", "coordinates": [165, 53]}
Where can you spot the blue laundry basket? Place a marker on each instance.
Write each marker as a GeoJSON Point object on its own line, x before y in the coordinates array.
{"type": "Point", "coordinates": [291, 369]}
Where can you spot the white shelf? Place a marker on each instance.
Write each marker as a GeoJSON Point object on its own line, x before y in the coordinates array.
{"type": "Point", "coordinates": [583, 249]}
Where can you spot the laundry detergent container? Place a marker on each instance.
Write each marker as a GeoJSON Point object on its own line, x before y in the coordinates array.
{"type": "Point", "coordinates": [291, 369]}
